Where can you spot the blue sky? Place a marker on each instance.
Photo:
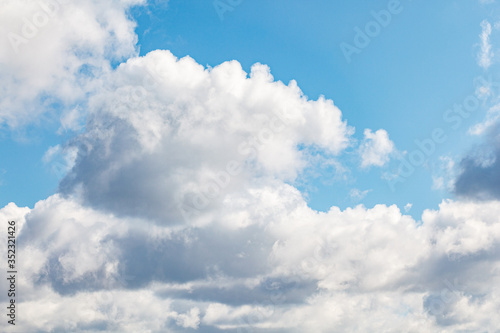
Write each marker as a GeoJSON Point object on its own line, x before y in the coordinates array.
{"type": "Point", "coordinates": [416, 68]}
{"type": "Point", "coordinates": [166, 174]}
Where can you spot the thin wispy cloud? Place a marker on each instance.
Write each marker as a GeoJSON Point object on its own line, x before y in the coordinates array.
{"type": "Point", "coordinates": [485, 56]}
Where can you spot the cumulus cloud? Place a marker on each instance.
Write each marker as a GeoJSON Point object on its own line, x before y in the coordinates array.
{"type": "Point", "coordinates": [485, 56]}
{"type": "Point", "coordinates": [55, 51]}
{"type": "Point", "coordinates": [180, 212]}
{"type": "Point", "coordinates": [376, 148]}
{"type": "Point", "coordinates": [287, 268]}
{"type": "Point", "coordinates": [167, 137]}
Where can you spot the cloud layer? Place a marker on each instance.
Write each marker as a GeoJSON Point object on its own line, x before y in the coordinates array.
{"type": "Point", "coordinates": [180, 214]}
{"type": "Point", "coordinates": [166, 136]}
{"type": "Point", "coordinates": [285, 268]}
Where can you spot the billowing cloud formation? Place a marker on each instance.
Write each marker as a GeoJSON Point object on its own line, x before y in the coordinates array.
{"type": "Point", "coordinates": [276, 265]}
{"type": "Point", "coordinates": [376, 148]}
{"type": "Point", "coordinates": [54, 52]}
{"type": "Point", "coordinates": [167, 137]}
{"type": "Point", "coordinates": [180, 214]}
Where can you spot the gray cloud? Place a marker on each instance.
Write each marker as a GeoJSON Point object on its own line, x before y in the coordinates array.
{"type": "Point", "coordinates": [480, 171]}
{"type": "Point", "coordinates": [165, 133]}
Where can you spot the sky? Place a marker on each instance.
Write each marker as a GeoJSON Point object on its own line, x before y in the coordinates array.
{"type": "Point", "coordinates": [264, 166]}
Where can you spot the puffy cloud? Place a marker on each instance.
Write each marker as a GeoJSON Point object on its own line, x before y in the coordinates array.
{"type": "Point", "coordinates": [167, 137]}
{"type": "Point", "coordinates": [376, 148]}
{"type": "Point", "coordinates": [285, 268]}
{"type": "Point", "coordinates": [179, 213]}
{"type": "Point", "coordinates": [55, 51]}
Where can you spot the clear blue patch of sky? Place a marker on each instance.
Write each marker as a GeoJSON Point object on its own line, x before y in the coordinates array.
{"type": "Point", "coordinates": [24, 177]}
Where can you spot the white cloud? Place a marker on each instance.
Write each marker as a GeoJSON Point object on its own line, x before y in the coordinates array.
{"type": "Point", "coordinates": [371, 267]}
{"type": "Point", "coordinates": [492, 117]}
{"type": "Point", "coordinates": [71, 120]}
{"type": "Point", "coordinates": [156, 229]}
{"type": "Point", "coordinates": [55, 51]}
{"type": "Point", "coordinates": [60, 159]}
{"type": "Point", "coordinates": [51, 153]}
{"type": "Point", "coordinates": [357, 194]}
{"type": "Point", "coordinates": [200, 133]}
{"type": "Point", "coordinates": [486, 54]}
{"type": "Point", "coordinates": [376, 148]}
{"type": "Point", "coordinates": [189, 320]}
{"type": "Point", "coordinates": [437, 183]}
